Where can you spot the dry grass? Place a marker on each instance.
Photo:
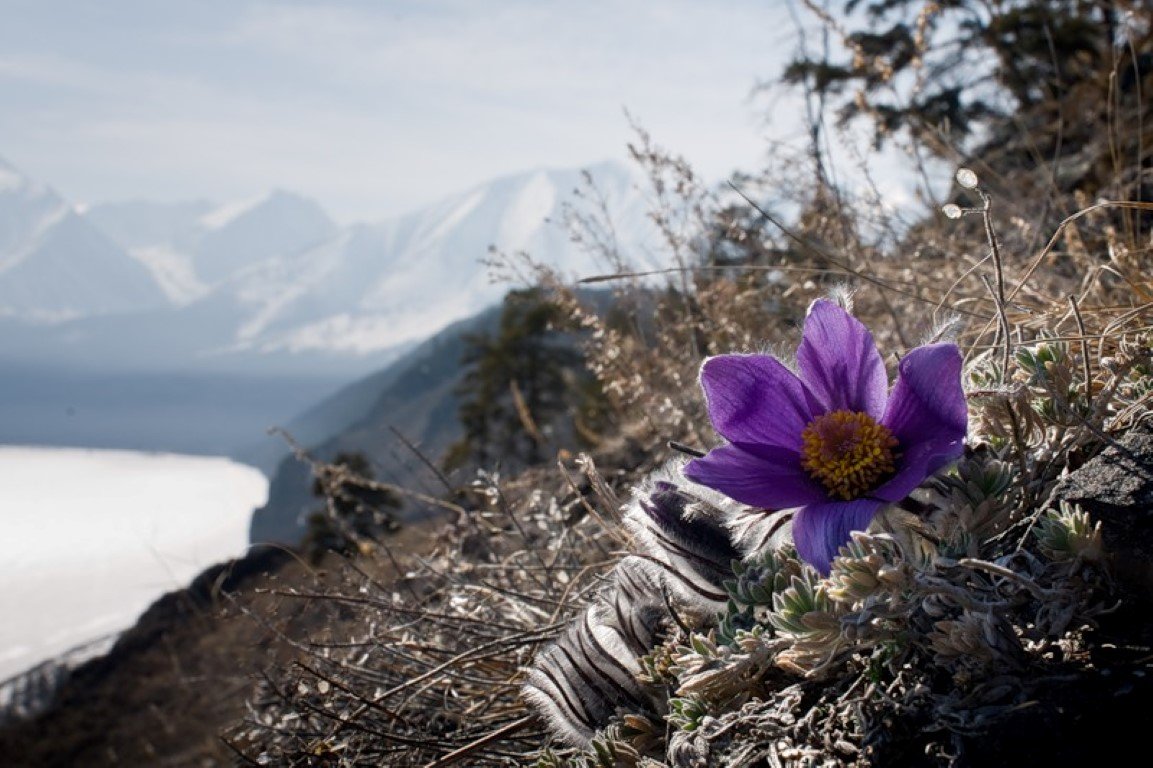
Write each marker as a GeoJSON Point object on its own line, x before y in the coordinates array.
{"type": "Point", "coordinates": [1055, 323]}
{"type": "Point", "coordinates": [433, 677]}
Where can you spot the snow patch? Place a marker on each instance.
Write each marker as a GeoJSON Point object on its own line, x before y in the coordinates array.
{"type": "Point", "coordinates": [173, 271]}
{"type": "Point", "coordinates": [526, 213]}
{"type": "Point", "coordinates": [229, 212]}
{"type": "Point", "coordinates": [93, 537]}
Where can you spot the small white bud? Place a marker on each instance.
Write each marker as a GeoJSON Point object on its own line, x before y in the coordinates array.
{"type": "Point", "coordinates": [966, 178]}
{"type": "Point", "coordinates": [951, 210]}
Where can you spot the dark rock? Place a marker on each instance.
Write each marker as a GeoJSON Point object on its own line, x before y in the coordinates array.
{"type": "Point", "coordinates": [1116, 489]}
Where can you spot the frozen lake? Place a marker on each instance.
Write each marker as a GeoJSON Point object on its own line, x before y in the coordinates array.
{"type": "Point", "coordinates": [90, 538]}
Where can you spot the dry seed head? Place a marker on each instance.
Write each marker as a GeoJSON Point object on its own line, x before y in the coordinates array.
{"type": "Point", "coordinates": [967, 179]}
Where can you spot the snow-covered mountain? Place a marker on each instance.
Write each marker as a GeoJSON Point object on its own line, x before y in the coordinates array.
{"type": "Point", "coordinates": [376, 286]}
{"type": "Point", "coordinates": [196, 327]}
{"type": "Point", "coordinates": [55, 265]}
{"type": "Point", "coordinates": [194, 246]}
{"type": "Point", "coordinates": [277, 225]}
{"type": "Point", "coordinates": [161, 236]}
{"type": "Point", "coordinates": [275, 278]}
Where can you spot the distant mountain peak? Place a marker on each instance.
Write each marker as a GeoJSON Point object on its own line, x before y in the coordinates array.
{"type": "Point", "coordinates": [276, 200]}
{"type": "Point", "coordinates": [274, 276]}
{"type": "Point", "coordinates": [55, 265]}
{"type": "Point", "coordinates": [13, 181]}
{"type": "Point", "coordinates": [276, 224]}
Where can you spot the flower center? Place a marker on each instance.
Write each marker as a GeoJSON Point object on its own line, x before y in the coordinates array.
{"type": "Point", "coordinates": [848, 452]}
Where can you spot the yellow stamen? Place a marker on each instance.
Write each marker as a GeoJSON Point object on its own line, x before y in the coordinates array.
{"type": "Point", "coordinates": [848, 452]}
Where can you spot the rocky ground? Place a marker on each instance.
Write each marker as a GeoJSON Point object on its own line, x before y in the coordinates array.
{"type": "Point", "coordinates": [181, 677]}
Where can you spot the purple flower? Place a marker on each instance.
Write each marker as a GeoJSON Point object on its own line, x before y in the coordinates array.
{"type": "Point", "coordinates": [830, 440]}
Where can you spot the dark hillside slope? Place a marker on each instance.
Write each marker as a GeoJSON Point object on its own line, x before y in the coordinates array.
{"type": "Point", "coordinates": [402, 419]}
{"type": "Point", "coordinates": [349, 404]}
{"type": "Point", "coordinates": [416, 396]}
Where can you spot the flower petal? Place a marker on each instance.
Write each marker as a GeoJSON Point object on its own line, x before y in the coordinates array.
{"type": "Point", "coordinates": [917, 463]}
{"type": "Point", "coordinates": [839, 361]}
{"type": "Point", "coordinates": [756, 399]}
{"type": "Point", "coordinates": [821, 529]}
{"type": "Point", "coordinates": [757, 475]}
{"type": "Point", "coordinates": [928, 415]}
{"type": "Point", "coordinates": [927, 402]}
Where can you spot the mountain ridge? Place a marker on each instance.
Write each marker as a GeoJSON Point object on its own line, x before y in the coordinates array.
{"type": "Point", "coordinates": [277, 277]}
{"type": "Point", "coordinates": [55, 265]}
{"type": "Point", "coordinates": [301, 310]}
{"type": "Point", "coordinates": [419, 394]}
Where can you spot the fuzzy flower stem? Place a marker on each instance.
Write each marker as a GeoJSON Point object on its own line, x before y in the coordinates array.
{"type": "Point", "coordinates": [1018, 442]}
{"type": "Point", "coordinates": [1086, 370]}
{"type": "Point", "coordinates": [1002, 331]}
{"type": "Point", "coordinates": [999, 272]}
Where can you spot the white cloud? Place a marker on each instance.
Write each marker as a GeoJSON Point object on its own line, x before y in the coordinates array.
{"type": "Point", "coordinates": [375, 107]}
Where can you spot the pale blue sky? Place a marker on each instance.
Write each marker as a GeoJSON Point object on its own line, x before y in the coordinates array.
{"type": "Point", "coordinates": [374, 108]}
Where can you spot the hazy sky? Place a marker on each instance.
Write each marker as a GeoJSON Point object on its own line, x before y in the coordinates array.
{"type": "Point", "coordinates": [374, 106]}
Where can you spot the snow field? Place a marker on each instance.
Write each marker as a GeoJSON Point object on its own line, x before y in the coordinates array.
{"type": "Point", "coordinates": [90, 538]}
